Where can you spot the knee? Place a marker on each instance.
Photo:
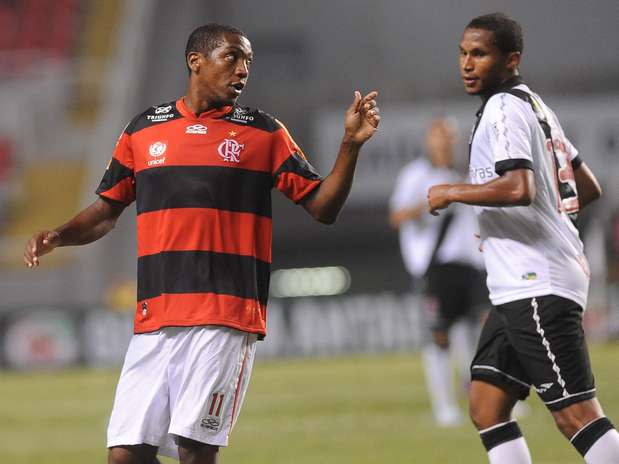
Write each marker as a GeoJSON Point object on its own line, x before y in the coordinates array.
{"type": "Point", "coordinates": [137, 454]}
{"type": "Point", "coordinates": [195, 451]}
{"type": "Point", "coordinates": [486, 411]}
{"type": "Point", "coordinates": [573, 418]}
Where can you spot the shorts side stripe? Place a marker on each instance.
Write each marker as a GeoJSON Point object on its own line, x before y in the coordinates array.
{"type": "Point", "coordinates": [494, 369]}
{"type": "Point", "coordinates": [563, 398]}
{"type": "Point", "coordinates": [549, 353]}
{"type": "Point", "coordinates": [239, 381]}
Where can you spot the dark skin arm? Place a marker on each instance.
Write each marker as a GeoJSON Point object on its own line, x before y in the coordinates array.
{"type": "Point", "coordinates": [587, 185]}
{"type": "Point", "coordinates": [513, 188]}
{"type": "Point", "coordinates": [89, 225]}
{"type": "Point", "coordinates": [360, 123]}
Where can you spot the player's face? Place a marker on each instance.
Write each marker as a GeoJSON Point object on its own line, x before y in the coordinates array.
{"type": "Point", "coordinates": [223, 73]}
{"type": "Point", "coordinates": [483, 67]}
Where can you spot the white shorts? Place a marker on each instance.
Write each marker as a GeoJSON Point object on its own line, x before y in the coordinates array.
{"type": "Point", "coordinates": [181, 381]}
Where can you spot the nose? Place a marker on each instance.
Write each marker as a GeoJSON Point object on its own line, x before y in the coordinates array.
{"type": "Point", "coordinates": [242, 68]}
{"type": "Point", "coordinates": [466, 62]}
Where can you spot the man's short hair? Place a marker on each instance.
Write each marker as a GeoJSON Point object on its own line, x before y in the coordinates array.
{"type": "Point", "coordinates": [507, 32]}
{"type": "Point", "coordinates": [204, 39]}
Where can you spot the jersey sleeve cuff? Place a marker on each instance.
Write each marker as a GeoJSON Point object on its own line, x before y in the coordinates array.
{"type": "Point", "coordinates": [501, 167]}
{"type": "Point", "coordinates": [576, 162]}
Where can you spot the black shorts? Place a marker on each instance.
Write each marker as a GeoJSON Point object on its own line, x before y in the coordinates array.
{"type": "Point", "coordinates": [536, 342]}
{"type": "Point", "coordinates": [453, 291]}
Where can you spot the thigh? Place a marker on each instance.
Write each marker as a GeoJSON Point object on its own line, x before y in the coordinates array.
{"type": "Point", "coordinates": [547, 333]}
{"type": "Point", "coordinates": [496, 361]}
{"type": "Point", "coordinates": [211, 375]}
{"type": "Point", "coordinates": [140, 414]}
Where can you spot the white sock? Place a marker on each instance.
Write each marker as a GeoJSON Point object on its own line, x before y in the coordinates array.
{"type": "Point", "coordinates": [605, 450]}
{"type": "Point", "coordinates": [439, 379]}
{"type": "Point", "coordinates": [511, 452]}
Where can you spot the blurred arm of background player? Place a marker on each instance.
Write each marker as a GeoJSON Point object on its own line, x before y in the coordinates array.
{"type": "Point", "coordinates": [89, 225]}
{"type": "Point", "coordinates": [440, 141]}
{"type": "Point", "coordinates": [360, 123]}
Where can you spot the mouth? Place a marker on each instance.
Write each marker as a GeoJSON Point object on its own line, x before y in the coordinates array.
{"type": "Point", "coordinates": [469, 80]}
{"type": "Point", "coordinates": [237, 87]}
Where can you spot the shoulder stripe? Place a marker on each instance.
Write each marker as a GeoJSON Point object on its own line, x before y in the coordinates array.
{"type": "Point", "coordinates": [152, 116]}
{"type": "Point", "coordinates": [252, 117]}
{"type": "Point", "coordinates": [203, 272]}
{"type": "Point", "coordinates": [297, 164]}
{"type": "Point", "coordinates": [229, 189]}
{"type": "Point", "coordinates": [114, 174]}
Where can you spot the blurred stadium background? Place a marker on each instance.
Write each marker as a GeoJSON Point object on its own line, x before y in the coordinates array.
{"type": "Point", "coordinates": [74, 72]}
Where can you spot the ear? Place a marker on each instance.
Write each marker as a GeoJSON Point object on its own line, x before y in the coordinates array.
{"type": "Point", "coordinates": [513, 61]}
{"type": "Point", "coordinates": [193, 61]}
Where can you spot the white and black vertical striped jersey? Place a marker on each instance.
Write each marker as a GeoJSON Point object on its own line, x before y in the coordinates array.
{"type": "Point", "coordinates": [530, 250]}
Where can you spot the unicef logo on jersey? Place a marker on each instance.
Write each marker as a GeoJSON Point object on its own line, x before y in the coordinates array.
{"type": "Point", "coordinates": [157, 149]}
{"type": "Point", "coordinates": [230, 150]}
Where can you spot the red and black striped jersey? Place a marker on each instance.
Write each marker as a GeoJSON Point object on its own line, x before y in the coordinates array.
{"type": "Point", "coordinates": [202, 187]}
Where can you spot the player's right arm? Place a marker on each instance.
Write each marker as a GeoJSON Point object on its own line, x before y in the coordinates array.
{"type": "Point", "coordinates": [587, 185]}
{"type": "Point", "coordinates": [89, 225]}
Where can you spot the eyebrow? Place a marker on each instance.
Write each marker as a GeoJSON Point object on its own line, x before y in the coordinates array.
{"type": "Point", "coordinates": [237, 48]}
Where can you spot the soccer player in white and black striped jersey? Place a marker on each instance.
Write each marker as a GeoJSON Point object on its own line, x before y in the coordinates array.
{"type": "Point", "coordinates": [527, 184]}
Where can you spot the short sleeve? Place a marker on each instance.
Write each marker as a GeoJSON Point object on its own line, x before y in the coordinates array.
{"type": "Point", "coordinates": [118, 182]}
{"type": "Point", "coordinates": [509, 133]}
{"type": "Point", "coordinates": [293, 175]}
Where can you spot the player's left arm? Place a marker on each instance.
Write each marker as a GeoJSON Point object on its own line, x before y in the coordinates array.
{"type": "Point", "coordinates": [360, 123]}
{"type": "Point", "coordinates": [513, 188]}
{"type": "Point", "coordinates": [587, 185]}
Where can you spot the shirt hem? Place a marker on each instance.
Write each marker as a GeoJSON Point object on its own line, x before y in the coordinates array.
{"type": "Point", "coordinates": [147, 329]}
{"type": "Point", "coordinates": [521, 295]}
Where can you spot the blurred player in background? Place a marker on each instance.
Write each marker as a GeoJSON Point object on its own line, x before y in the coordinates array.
{"type": "Point", "coordinates": [527, 183]}
{"type": "Point", "coordinates": [201, 170]}
{"type": "Point", "coordinates": [442, 256]}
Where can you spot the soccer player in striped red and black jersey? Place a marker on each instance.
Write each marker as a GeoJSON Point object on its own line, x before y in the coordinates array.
{"type": "Point", "coordinates": [201, 170]}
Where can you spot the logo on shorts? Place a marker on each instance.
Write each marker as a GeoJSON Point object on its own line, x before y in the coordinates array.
{"type": "Point", "coordinates": [213, 420]}
{"type": "Point", "coordinates": [543, 388]}
{"type": "Point", "coordinates": [529, 276]}
{"type": "Point", "coordinates": [144, 308]}
{"type": "Point", "coordinates": [230, 150]}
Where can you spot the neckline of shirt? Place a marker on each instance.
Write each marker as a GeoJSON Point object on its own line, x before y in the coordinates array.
{"type": "Point", "coordinates": [213, 113]}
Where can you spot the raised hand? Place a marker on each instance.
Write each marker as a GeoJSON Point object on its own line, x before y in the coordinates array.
{"type": "Point", "coordinates": [362, 117]}
{"type": "Point", "coordinates": [40, 244]}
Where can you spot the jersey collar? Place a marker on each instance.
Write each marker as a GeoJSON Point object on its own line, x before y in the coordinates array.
{"type": "Point", "coordinates": [508, 84]}
{"type": "Point", "coordinates": [213, 113]}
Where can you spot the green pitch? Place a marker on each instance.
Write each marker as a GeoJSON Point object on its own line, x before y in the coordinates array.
{"type": "Point", "coordinates": [361, 409]}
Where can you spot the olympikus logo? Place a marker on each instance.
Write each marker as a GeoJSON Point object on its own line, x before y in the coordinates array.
{"type": "Point", "coordinates": [196, 129]}
{"type": "Point", "coordinates": [230, 150]}
{"type": "Point", "coordinates": [163, 109]}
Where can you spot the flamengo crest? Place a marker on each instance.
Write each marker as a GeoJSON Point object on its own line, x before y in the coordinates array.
{"type": "Point", "coordinates": [230, 150]}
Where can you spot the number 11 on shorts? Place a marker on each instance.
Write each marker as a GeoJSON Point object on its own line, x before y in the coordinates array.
{"type": "Point", "coordinates": [216, 402]}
